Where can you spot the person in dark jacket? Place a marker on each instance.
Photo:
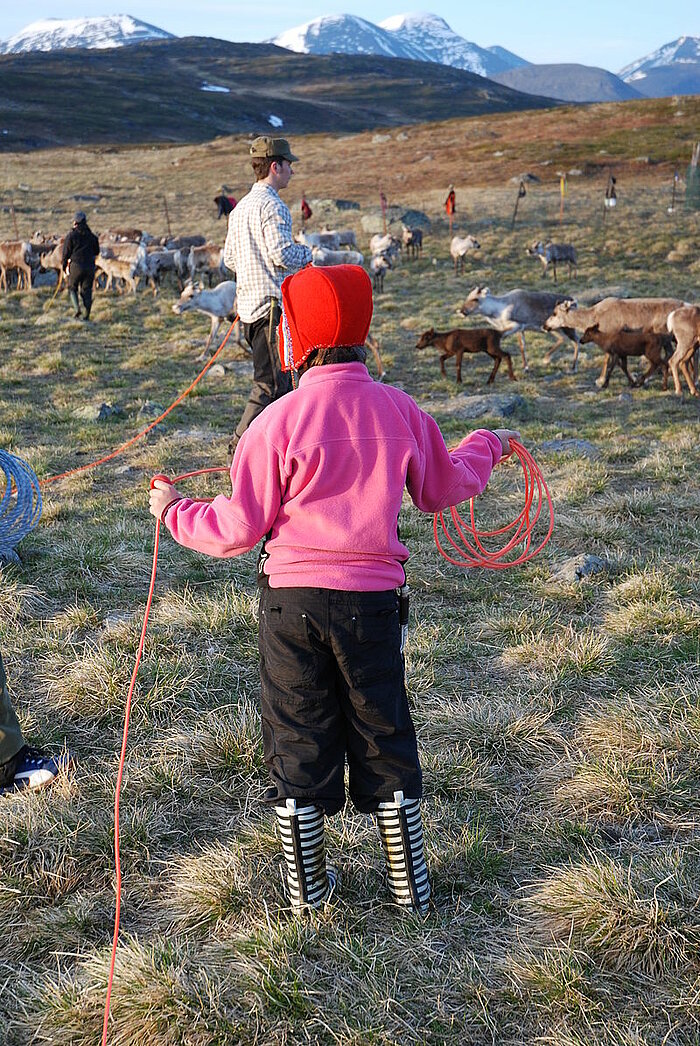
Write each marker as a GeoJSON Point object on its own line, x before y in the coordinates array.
{"type": "Point", "coordinates": [80, 249]}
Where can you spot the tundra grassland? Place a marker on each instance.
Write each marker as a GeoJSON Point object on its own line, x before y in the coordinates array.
{"type": "Point", "coordinates": [558, 721]}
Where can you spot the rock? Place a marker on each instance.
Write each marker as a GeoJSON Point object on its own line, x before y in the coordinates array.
{"type": "Point", "coordinates": [500, 405]}
{"type": "Point", "coordinates": [116, 619]}
{"type": "Point", "coordinates": [402, 136]}
{"type": "Point", "coordinates": [625, 397]}
{"type": "Point", "coordinates": [415, 219]}
{"type": "Point", "coordinates": [575, 172]}
{"type": "Point", "coordinates": [578, 567]}
{"type": "Point", "coordinates": [216, 371]}
{"type": "Point", "coordinates": [570, 446]}
{"type": "Point", "coordinates": [347, 205]}
{"type": "Point", "coordinates": [88, 197]}
{"type": "Point", "coordinates": [150, 410]}
{"type": "Point", "coordinates": [103, 412]}
{"type": "Point", "coordinates": [123, 470]}
{"type": "Point", "coordinates": [377, 139]}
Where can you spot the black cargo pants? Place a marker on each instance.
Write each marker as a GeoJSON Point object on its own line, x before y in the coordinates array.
{"type": "Point", "coordinates": [332, 678]}
{"type": "Point", "coordinates": [81, 281]}
{"type": "Point", "coordinates": [269, 380]}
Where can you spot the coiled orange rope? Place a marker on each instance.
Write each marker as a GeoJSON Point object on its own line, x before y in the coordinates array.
{"type": "Point", "coordinates": [468, 549]}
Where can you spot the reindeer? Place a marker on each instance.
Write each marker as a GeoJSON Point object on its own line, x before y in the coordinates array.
{"type": "Point", "coordinates": [623, 344]}
{"type": "Point", "coordinates": [518, 311]}
{"type": "Point", "coordinates": [218, 303]}
{"type": "Point", "coordinates": [551, 253]}
{"type": "Point", "coordinates": [458, 249]}
{"type": "Point", "coordinates": [412, 240]}
{"type": "Point", "coordinates": [684, 325]}
{"type": "Point", "coordinates": [457, 342]}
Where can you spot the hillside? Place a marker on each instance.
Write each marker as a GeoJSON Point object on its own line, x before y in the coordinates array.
{"type": "Point", "coordinates": [568, 81]}
{"type": "Point", "coordinates": [194, 89]}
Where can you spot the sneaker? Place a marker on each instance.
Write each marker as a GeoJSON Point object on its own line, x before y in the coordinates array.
{"type": "Point", "coordinates": [35, 769]}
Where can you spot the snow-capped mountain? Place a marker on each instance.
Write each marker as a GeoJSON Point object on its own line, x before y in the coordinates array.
{"type": "Point", "coordinates": [680, 52]}
{"type": "Point", "coordinates": [672, 69]}
{"type": "Point", "coordinates": [423, 37]}
{"type": "Point", "coordinates": [344, 34]}
{"type": "Point", "coordinates": [53, 34]}
{"type": "Point", "coordinates": [434, 39]}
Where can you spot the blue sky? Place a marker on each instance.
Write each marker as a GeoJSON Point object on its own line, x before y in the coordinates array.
{"type": "Point", "coordinates": [599, 32]}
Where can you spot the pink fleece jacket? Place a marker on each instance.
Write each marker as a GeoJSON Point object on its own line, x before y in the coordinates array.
{"type": "Point", "coordinates": [323, 470]}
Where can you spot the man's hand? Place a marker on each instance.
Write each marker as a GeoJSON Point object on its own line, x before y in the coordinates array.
{"type": "Point", "coordinates": [505, 436]}
{"type": "Point", "coordinates": [161, 495]}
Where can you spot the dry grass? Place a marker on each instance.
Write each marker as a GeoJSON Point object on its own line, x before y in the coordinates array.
{"type": "Point", "coordinates": [559, 723]}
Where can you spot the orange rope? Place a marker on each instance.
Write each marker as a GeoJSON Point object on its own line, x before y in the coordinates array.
{"type": "Point", "coordinates": [122, 757]}
{"type": "Point", "coordinates": [140, 435]}
{"type": "Point", "coordinates": [476, 554]}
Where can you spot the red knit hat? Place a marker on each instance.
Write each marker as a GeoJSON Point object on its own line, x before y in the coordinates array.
{"type": "Point", "coordinates": [322, 308]}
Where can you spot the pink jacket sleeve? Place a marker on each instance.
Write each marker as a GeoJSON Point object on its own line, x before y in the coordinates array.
{"type": "Point", "coordinates": [438, 477]}
{"type": "Point", "coordinates": [229, 526]}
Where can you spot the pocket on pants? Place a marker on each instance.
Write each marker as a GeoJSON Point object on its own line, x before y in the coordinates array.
{"type": "Point", "coordinates": [376, 642]}
{"type": "Point", "coordinates": [288, 656]}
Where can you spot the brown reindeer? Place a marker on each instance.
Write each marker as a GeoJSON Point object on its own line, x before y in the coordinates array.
{"type": "Point", "coordinates": [457, 342]}
{"type": "Point", "coordinates": [618, 347]}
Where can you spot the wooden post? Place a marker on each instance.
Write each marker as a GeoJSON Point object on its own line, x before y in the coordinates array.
{"type": "Point", "coordinates": [562, 193]}
{"type": "Point", "coordinates": [521, 192]}
{"type": "Point", "coordinates": [673, 192]}
{"type": "Point", "coordinates": [382, 200]}
{"type": "Point", "coordinates": [167, 216]}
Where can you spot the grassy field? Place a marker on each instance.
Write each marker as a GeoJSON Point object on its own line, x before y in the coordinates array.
{"type": "Point", "coordinates": [559, 721]}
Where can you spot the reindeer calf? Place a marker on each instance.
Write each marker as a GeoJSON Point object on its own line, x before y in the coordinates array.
{"type": "Point", "coordinates": [457, 342]}
{"type": "Point", "coordinates": [625, 343]}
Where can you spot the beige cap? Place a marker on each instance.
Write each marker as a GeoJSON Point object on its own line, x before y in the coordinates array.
{"type": "Point", "coordinates": [264, 147]}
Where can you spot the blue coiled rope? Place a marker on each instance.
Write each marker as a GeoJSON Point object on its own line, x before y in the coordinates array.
{"type": "Point", "coordinates": [20, 506]}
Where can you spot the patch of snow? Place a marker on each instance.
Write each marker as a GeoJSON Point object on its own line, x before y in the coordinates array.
{"type": "Point", "coordinates": [276, 121]}
{"type": "Point", "coordinates": [215, 87]}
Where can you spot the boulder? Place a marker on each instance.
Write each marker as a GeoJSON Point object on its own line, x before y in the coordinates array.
{"type": "Point", "coordinates": [98, 412]}
{"type": "Point", "coordinates": [580, 447]}
{"type": "Point", "coordinates": [578, 567]}
{"type": "Point", "coordinates": [500, 405]}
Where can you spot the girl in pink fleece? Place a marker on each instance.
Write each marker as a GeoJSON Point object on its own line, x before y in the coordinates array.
{"type": "Point", "coordinates": [320, 476]}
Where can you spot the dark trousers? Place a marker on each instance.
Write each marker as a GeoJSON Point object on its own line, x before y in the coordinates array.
{"type": "Point", "coordinates": [81, 280]}
{"type": "Point", "coordinates": [11, 740]}
{"type": "Point", "coordinates": [332, 678]}
{"type": "Point", "coordinates": [269, 380]}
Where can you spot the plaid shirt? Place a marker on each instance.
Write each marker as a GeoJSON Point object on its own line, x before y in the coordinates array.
{"type": "Point", "coordinates": [260, 250]}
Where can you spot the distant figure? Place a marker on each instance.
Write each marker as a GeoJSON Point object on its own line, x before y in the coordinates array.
{"type": "Point", "coordinates": [611, 193]}
{"type": "Point", "coordinates": [80, 249]}
{"type": "Point", "coordinates": [450, 205]}
{"type": "Point", "coordinates": [306, 212]}
{"type": "Point", "coordinates": [225, 202]}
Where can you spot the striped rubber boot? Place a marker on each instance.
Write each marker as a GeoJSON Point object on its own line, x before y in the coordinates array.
{"type": "Point", "coordinates": [309, 881]}
{"type": "Point", "coordinates": [401, 834]}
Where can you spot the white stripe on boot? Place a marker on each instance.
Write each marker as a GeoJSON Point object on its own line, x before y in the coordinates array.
{"type": "Point", "coordinates": [309, 881]}
{"type": "Point", "coordinates": [401, 833]}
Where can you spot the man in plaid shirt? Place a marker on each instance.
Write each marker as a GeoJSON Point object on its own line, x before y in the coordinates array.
{"type": "Point", "coordinates": [261, 251]}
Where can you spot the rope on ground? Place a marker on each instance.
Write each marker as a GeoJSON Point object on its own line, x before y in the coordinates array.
{"type": "Point", "coordinates": [20, 506]}
{"type": "Point", "coordinates": [122, 757]}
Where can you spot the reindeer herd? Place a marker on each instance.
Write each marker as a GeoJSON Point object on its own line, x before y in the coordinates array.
{"type": "Point", "coordinates": [663, 331]}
